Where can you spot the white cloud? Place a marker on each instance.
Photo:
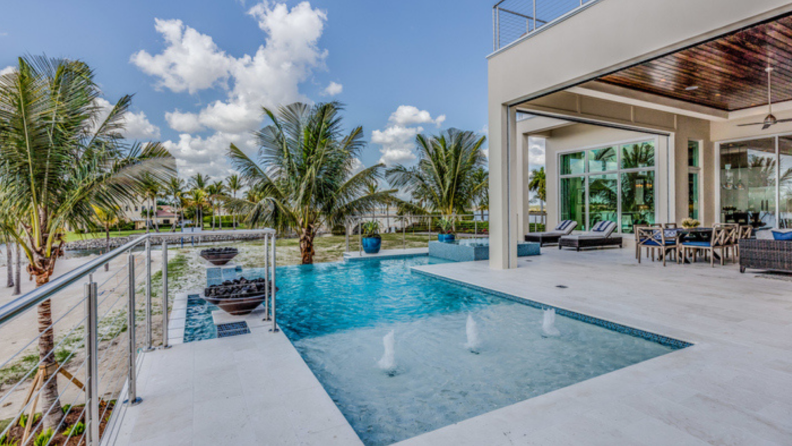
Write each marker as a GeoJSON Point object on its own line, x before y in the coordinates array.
{"type": "Point", "coordinates": [333, 89]}
{"type": "Point", "coordinates": [183, 122]}
{"type": "Point", "coordinates": [398, 138]}
{"type": "Point", "coordinates": [357, 165]}
{"type": "Point", "coordinates": [191, 62]}
{"type": "Point", "coordinates": [136, 125]}
{"type": "Point", "coordinates": [207, 155]}
{"type": "Point", "coordinates": [409, 115]}
{"type": "Point", "coordinates": [8, 70]}
{"type": "Point", "coordinates": [536, 152]}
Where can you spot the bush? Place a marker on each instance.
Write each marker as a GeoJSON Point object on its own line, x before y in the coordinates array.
{"type": "Point", "coordinates": [469, 227]}
{"type": "Point", "coordinates": [44, 438]}
{"type": "Point", "coordinates": [75, 430]}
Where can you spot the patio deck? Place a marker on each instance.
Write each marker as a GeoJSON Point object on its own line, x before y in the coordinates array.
{"type": "Point", "coordinates": [733, 387]}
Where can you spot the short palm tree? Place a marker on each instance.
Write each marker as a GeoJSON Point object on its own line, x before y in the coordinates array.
{"type": "Point", "coordinates": [58, 158]}
{"type": "Point", "coordinates": [444, 179]}
{"type": "Point", "coordinates": [305, 176]}
{"type": "Point", "coordinates": [234, 185]}
{"type": "Point", "coordinates": [538, 184]}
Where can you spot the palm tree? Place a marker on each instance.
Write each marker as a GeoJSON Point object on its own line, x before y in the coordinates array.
{"type": "Point", "coordinates": [198, 181]}
{"type": "Point", "coordinates": [305, 175]}
{"type": "Point", "coordinates": [106, 217]}
{"type": "Point", "coordinates": [151, 192]}
{"type": "Point", "coordinates": [216, 191]}
{"type": "Point", "coordinates": [175, 190]}
{"type": "Point", "coordinates": [444, 179]}
{"type": "Point", "coordinates": [481, 200]}
{"type": "Point", "coordinates": [234, 185]}
{"type": "Point", "coordinates": [58, 157]}
{"type": "Point", "coordinates": [198, 199]}
{"type": "Point", "coordinates": [9, 261]}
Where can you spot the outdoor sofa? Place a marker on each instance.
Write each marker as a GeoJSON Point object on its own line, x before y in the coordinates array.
{"type": "Point", "coordinates": [766, 252]}
{"type": "Point", "coordinates": [599, 236]}
{"type": "Point", "coordinates": [543, 238]}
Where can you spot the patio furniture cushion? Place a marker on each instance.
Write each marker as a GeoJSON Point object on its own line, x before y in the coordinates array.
{"type": "Point", "coordinates": [702, 244]}
{"type": "Point", "coordinates": [565, 227]}
{"type": "Point", "coordinates": [782, 234]}
{"type": "Point", "coordinates": [658, 242]}
{"type": "Point", "coordinates": [764, 234]}
{"type": "Point", "coordinates": [604, 228]}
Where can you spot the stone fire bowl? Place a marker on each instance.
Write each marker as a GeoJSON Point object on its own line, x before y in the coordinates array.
{"type": "Point", "coordinates": [237, 306]}
{"type": "Point", "coordinates": [220, 259]}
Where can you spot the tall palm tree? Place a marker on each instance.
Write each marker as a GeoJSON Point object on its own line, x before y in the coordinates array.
{"type": "Point", "coordinates": [9, 261]}
{"type": "Point", "coordinates": [175, 191]}
{"type": "Point", "coordinates": [444, 178]}
{"type": "Point", "coordinates": [198, 181]}
{"type": "Point", "coordinates": [216, 192]}
{"type": "Point", "coordinates": [305, 175]}
{"type": "Point", "coordinates": [58, 157]}
{"type": "Point", "coordinates": [198, 199]}
{"type": "Point", "coordinates": [151, 191]}
{"type": "Point", "coordinates": [234, 185]}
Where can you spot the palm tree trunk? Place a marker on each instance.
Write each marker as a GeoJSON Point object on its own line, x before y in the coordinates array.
{"type": "Point", "coordinates": [306, 246]}
{"type": "Point", "coordinates": [46, 344]}
{"type": "Point", "coordinates": [9, 263]}
{"type": "Point", "coordinates": [107, 245]}
{"type": "Point", "coordinates": [18, 282]}
{"type": "Point", "coordinates": [154, 214]}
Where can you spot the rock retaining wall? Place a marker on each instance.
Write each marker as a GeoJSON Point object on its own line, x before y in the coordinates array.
{"type": "Point", "coordinates": [115, 242]}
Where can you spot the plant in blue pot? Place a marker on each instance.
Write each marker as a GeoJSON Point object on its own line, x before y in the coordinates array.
{"type": "Point", "coordinates": [447, 226]}
{"type": "Point", "coordinates": [372, 242]}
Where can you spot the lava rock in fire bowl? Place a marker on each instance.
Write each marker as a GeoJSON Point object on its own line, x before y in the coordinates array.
{"type": "Point", "coordinates": [238, 297]}
{"type": "Point", "coordinates": [219, 256]}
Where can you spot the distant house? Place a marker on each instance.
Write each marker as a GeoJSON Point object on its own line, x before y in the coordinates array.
{"type": "Point", "coordinates": [165, 215]}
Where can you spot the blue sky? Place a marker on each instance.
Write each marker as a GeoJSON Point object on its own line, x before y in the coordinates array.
{"type": "Point", "coordinates": [201, 72]}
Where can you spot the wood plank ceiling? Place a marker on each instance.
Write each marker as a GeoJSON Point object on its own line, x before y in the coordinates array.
{"type": "Point", "coordinates": [729, 71]}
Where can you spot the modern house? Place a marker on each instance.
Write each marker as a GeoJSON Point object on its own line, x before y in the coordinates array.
{"type": "Point", "coordinates": [650, 112]}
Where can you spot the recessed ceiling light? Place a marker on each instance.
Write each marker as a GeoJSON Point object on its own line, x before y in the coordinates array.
{"type": "Point", "coordinates": [717, 94]}
{"type": "Point", "coordinates": [692, 88]}
{"type": "Point", "coordinates": [662, 80]}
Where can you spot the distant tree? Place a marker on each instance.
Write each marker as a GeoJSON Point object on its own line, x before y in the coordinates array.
{"type": "Point", "coordinates": [538, 184]}
{"type": "Point", "coordinates": [107, 217]}
{"type": "Point", "coordinates": [175, 192]}
{"type": "Point", "coordinates": [234, 185]}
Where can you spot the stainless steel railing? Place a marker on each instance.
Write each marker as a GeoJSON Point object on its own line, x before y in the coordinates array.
{"type": "Point", "coordinates": [514, 19]}
{"type": "Point", "coordinates": [95, 361]}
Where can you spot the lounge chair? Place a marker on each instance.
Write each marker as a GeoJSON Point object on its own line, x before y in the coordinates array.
{"type": "Point", "coordinates": [599, 236]}
{"type": "Point", "coordinates": [543, 238]}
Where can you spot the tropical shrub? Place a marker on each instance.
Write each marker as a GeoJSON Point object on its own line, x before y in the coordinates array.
{"type": "Point", "coordinates": [371, 229]}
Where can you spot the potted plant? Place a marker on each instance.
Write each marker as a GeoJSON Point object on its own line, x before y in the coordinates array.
{"type": "Point", "coordinates": [446, 234]}
{"type": "Point", "coordinates": [690, 223]}
{"type": "Point", "coordinates": [372, 242]}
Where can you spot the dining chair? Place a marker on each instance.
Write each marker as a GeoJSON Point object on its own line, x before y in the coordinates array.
{"type": "Point", "coordinates": [732, 239]}
{"type": "Point", "coordinates": [658, 240]}
{"type": "Point", "coordinates": [670, 226]}
{"type": "Point", "coordinates": [720, 233]}
{"type": "Point", "coordinates": [744, 232]}
{"type": "Point", "coordinates": [638, 240]}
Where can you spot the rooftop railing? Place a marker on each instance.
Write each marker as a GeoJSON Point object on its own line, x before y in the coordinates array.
{"type": "Point", "coordinates": [515, 19]}
{"type": "Point", "coordinates": [99, 328]}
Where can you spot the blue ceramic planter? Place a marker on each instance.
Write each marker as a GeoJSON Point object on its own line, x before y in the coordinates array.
{"type": "Point", "coordinates": [371, 245]}
{"type": "Point", "coordinates": [445, 238]}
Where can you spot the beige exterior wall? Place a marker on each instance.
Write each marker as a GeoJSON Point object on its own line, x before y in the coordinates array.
{"type": "Point", "coordinates": [607, 36]}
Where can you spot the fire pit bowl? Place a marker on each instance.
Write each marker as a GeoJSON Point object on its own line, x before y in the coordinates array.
{"type": "Point", "coordinates": [237, 297]}
{"type": "Point", "coordinates": [219, 256]}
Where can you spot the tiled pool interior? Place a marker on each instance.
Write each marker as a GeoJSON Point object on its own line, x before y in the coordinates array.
{"type": "Point", "coordinates": [336, 315]}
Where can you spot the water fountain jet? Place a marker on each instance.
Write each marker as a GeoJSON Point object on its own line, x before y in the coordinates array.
{"type": "Point", "coordinates": [388, 361]}
{"type": "Point", "coordinates": [548, 324]}
{"type": "Point", "coordinates": [473, 340]}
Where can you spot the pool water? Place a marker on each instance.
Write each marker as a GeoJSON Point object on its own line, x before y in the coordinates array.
{"type": "Point", "coordinates": [336, 315]}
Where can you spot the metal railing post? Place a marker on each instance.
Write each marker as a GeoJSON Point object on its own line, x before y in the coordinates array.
{"type": "Point", "coordinates": [360, 238]}
{"type": "Point", "coordinates": [165, 294]}
{"type": "Point", "coordinates": [92, 415]}
{"type": "Point", "coordinates": [497, 28]}
{"type": "Point", "coordinates": [346, 234]}
{"type": "Point", "coordinates": [148, 347]}
{"type": "Point", "coordinates": [267, 241]}
{"type": "Point", "coordinates": [404, 234]}
{"type": "Point", "coordinates": [534, 14]}
{"type": "Point", "coordinates": [274, 288]}
{"type": "Point", "coordinates": [132, 398]}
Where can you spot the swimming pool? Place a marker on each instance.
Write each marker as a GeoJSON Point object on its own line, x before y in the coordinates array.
{"type": "Point", "coordinates": [337, 314]}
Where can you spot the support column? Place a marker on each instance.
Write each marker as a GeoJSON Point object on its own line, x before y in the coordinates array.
{"type": "Point", "coordinates": [504, 208]}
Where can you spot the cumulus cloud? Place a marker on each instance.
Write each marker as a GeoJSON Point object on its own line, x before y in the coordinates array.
{"type": "Point", "coordinates": [136, 125]}
{"type": "Point", "coordinates": [333, 89]}
{"type": "Point", "coordinates": [192, 62]}
{"type": "Point", "coordinates": [398, 137]}
{"type": "Point", "coordinates": [207, 155]}
{"type": "Point", "coordinates": [408, 115]}
{"type": "Point", "coordinates": [536, 152]}
{"type": "Point", "coordinates": [7, 70]}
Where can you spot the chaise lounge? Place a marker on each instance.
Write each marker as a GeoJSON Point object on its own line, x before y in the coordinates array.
{"type": "Point", "coordinates": [599, 236]}
{"type": "Point", "coordinates": [548, 237]}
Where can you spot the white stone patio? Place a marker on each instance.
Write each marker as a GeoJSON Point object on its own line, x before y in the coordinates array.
{"type": "Point", "coordinates": [733, 387]}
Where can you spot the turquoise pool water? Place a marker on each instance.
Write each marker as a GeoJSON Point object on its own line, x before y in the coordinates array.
{"type": "Point", "coordinates": [336, 315]}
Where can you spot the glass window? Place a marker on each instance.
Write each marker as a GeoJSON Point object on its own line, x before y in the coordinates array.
{"type": "Point", "coordinates": [638, 155]}
{"type": "Point", "coordinates": [785, 185]}
{"type": "Point", "coordinates": [573, 200]}
{"type": "Point", "coordinates": [693, 195]}
{"type": "Point", "coordinates": [637, 199]}
{"type": "Point", "coordinates": [748, 182]}
{"type": "Point", "coordinates": [603, 198]}
{"type": "Point", "coordinates": [693, 154]}
{"type": "Point", "coordinates": [602, 160]}
{"type": "Point", "coordinates": [573, 163]}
